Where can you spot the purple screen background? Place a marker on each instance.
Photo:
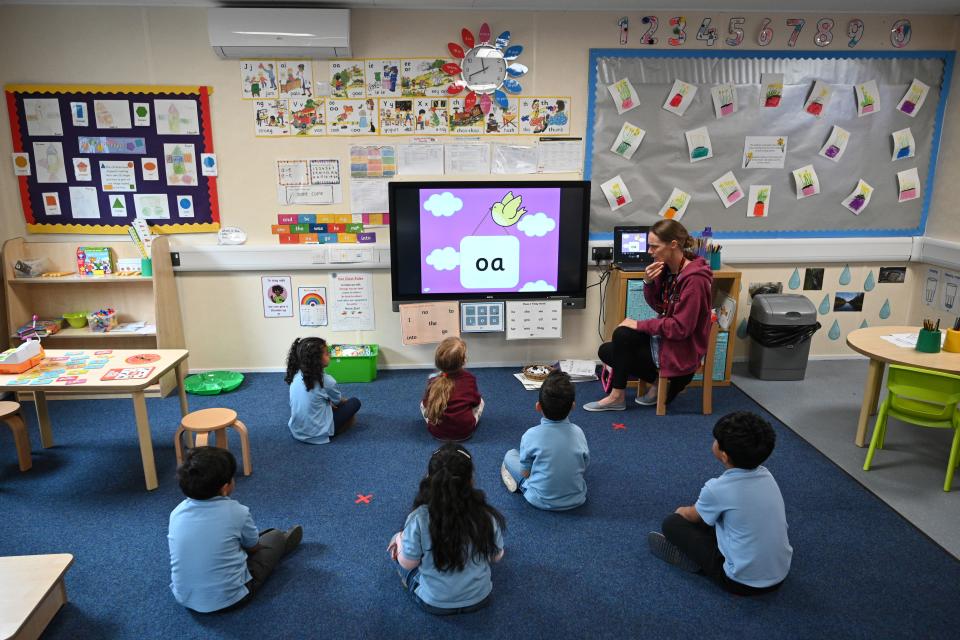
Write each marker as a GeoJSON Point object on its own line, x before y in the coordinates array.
{"type": "Point", "coordinates": [538, 255]}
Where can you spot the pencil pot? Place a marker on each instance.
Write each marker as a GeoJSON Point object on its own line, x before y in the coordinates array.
{"type": "Point", "coordinates": [952, 341]}
{"type": "Point", "coordinates": [714, 260]}
{"type": "Point", "coordinates": [928, 341]}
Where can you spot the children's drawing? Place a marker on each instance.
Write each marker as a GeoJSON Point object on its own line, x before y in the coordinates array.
{"type": "Point", "coordinates": [177, 117]}
{"type": "Point", "coordinates": [347, 78]}
{"type": "Point", "coordinates": [141, 114]}
{"type": "Point", "coordinates": [680, 97]}
{"type": "Point", "coordinates": [624, 95]}
{"type": "Point", "coordinates": [112, 144]}
{"type": "Point", "coordinates": [181, 164]}
{"type": "Point", "coordinates": [868, 98]}
{"type": "Point", "coordinates": [149, 168]}
{"type": "Point", "coordinates": [544, 115]}
{"type": "Point", "coordinates": [79, 114]}
{"type": "Point", "coordinates": [836, 144]}
{"type": "Point", "coordinates": [699, 146]}
{"type": "Point", "coordinates": [909, 183]}
{"type": "Point", "coordinates": [84, 203]}
{"type": "Point", "coordinates": [806, 181]}
{"type": "Point", "coordinates": [728, 189]}
{"type": "Point", "coordinates": [296, 78]}
{"type": "Point", "coordinates": [308, 116]}
{"type": "Point", "coordinates": [50, 163]}
{"type": "Point", "coordinates": [151, 206]}
{"type": "Point", "coordinates": [382, 78]}
{"type": "Point", "coordinates": [616, 192]}
{"type": "Point", "coordinates": [675, 206]}
{"type": "Point", "coordinates": [504, 121]}
{"type": "Point", "coordinates": [21, 164]}
{"type": "Point", "coordinates": [352, 117]}
{"type": "Point", "coordinates": [724, 100]}
{"type": "Point", "coordinates": [904, 146]}
{"type": "Point", "coordinates": [112, 114]}
{"type": "Point", "coordinates": [914, 98]}
{"type": "Point", "coordinates": [764, 152]}
{"type": "Point", "coordinates": [771, 89]}
{"type": "Point", "coordinates": [818, 99]}
{"type": "Point", "coordinates": [271, 117]}
{"type": "Point", "coordinates": [424, 77]}
{"type": "Point", "coordinates": [43, 116]}
{"type": "Point", "coordinates": [758, 204]}
{"type": "Point", "coordinates": [258, 79]}
{"type": "Point", "coordinates": [858, 200]}
{"type": "Point", "coordinates": [628, 140]}
{"type": "Point", "coordinates": [489, 239]}
{"type": "Point", "coordinates": [465, 121]}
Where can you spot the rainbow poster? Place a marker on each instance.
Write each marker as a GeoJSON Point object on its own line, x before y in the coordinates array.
{"type": "Point", "coordinates": [313, 306]}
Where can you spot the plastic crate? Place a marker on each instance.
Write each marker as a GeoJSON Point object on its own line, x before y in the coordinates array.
{"type": "Point", "coordinates": [719, 358]}
{"type": "Point", "coordinates": [353, 368]}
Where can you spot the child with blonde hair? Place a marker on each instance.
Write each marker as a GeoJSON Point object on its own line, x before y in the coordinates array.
{"type": "Point", "coordinates": [451, 404]}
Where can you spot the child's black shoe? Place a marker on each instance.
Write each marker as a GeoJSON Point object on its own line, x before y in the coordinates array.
{"type": "Point", "coordinates": [670, 553]}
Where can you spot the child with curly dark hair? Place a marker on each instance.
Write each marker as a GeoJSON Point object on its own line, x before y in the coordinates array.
{"type": "Point", "coordinates": [318, 409]}
{"type": "Point", "coordinates": [450, 538]}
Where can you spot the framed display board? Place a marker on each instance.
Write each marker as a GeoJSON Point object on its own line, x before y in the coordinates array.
{"type": "Point", "coordinates": [90, 159]}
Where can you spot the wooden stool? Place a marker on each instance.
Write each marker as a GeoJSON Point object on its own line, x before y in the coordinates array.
{"type": "Point", "coordinates": [10, 413]}
{"type": "Point", "coordinates": [202, 422]}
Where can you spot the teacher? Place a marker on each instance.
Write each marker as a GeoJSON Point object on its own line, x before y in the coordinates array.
{"type": "Point", "coordinates": [678, 287]}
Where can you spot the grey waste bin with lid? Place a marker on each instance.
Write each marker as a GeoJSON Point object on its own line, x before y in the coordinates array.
{"type": "Point", "coordinates": [780, 329]}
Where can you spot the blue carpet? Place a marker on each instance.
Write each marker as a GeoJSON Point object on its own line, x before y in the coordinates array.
{"type": "Point", "coordinates": [859, 569]}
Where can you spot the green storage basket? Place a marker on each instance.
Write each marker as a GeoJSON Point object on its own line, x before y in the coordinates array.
{"type": "Point", "coordinates": [347, 368]}
{"type": "Point", "coordinates": [212, 382]}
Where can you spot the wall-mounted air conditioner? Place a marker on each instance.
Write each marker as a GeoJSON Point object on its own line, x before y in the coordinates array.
{"type": "Point", "coordinates": [318, 34]}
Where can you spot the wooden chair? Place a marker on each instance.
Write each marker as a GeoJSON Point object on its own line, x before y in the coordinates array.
{"type": "Point", "coordinates": [10, 414]}
{"type": "Point", "coordinates": [706, 369]}
{"type": "Point", "coordinates": [200, 424]}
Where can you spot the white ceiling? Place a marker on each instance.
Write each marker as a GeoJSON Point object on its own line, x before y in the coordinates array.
{"type": "Point", "coordinates": [939, 7]}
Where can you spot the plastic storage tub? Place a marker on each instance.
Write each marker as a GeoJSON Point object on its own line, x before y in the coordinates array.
{"type": "Point", "coordinates": [353, 362]}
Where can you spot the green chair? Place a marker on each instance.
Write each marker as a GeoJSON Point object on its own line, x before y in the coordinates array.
{"type": "Point", "coordinates": [921, 397]}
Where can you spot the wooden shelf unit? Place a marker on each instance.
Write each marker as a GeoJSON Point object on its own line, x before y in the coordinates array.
{"type": "Point", "coordinates": [725, 283]}
{"type": "Point", "coordinates": [136, 298]}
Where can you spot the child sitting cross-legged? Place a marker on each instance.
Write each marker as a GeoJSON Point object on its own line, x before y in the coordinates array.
{"type": "Point", "coordinates": [318, 410]}
{"type": "Point", "coordinates": [736, 533]}
{"type": "Point", "coordinates": [553, 455]}
{"type": "Point", "coordinates": [451, 405]}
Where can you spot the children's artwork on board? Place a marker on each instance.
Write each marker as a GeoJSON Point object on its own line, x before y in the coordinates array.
{"type": "Point", "coordinates": [209, 165]}
{"type": "Point", "coordinates": [868, 98]}
{"type": "Point", "coordinates": [424, 77]}
{"type": "Point", "coordinates": [699, 146]}
{"type": "Point", "coordinates": [84, 203]}
{"type": "Point", "coordinates": [679, 98]}
{"type": "Point", "coordinates": [51, 203]}
{"type": "Point", "coordinates": [111, 144]}
{"type": "Point", "coordinates": [464, 121]}
{"type": "Point", "coordinates": [49, 161]}
{"type": "Point", "coordinates": [724, 100]}
{"type": "Point", "coordinates": [151, 206]}
{"type": "Point", "coordinates": [544, 115]}
{"type": "Point", "coordinates": [149, 169]}
{"type": "Point", "coordinates": [892, 275]}
{"type": "Point", "coordinates": [177, 117]}
{"type": "Point", "coordinates": [913, 99]}
{"type": "Point", "coordinates": [764, 152]}
{"type": "Point", "coordinates": [771, 90]}
{"type": "Point", "coordinates": [181, 164]}
{"type": "Point", "coordinates": [43, 116]}
{"type": "Point", "coordinates": [347, 79]}
{"type": "Point", "coordinates": [836, 144]}
{"type": "Point", "coordinates": [848, 301]}
{"type": "Point", "coordinates": [628, 140]}
{"type": "Point", "coordinates": [904, 146]}
{"type": "Point", "coordinates": [624, 95]}
{"type": "Point", "coordinates": [112, 114]}
{"type": "Point", "coordinates": [382, 78]}
{"type": "Point", "coordinates": [756, 288]}
{"type": "Point", "coordinates": [502, 121]}
{"type": "Point", "coordinates": [675, 206]}
{"type": "Point", "coordinates": [271, 117]}
{"type": "Point", "coordinates": [818, 99]}
{"type": "Point", "coordinates": [813, 279]}
{"type": "Point", "coordinates": [858, 200]}
{"type": "Point", "coordinates": [184, 205]}
{"type": "Point", "coordinates": [728, 189]}
{"type": "Point", "coordinates": [296, 78]}
{"type": "Point", "coordinates": [21, 164]}
{"type": "Point", "coordinates": [79, 114]}
{"type": "Point", "coordinates": [141, 114]}
{"type": "Point", "coordinates": [616, 193]}
{"type": "Point", "coordinates": [308, 116]}
{"type": "Point", "coordinates": [259, 79]}
{"type": "Point", "coordinates": [806, 181]}
{"type": "Point", "coordinates": [909, 185]}
{"type": "Point", "coordinates": [352, 117]}
{"type": "Point", "coordinates": [758, 204]}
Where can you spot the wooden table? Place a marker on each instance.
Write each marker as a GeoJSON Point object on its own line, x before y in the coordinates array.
{"type": "Point", "coordinates": [33, 592]}
{"type": "Point", "coordinates": [67, 383]}
{"type": "Point", "coordinates": [870, 343]}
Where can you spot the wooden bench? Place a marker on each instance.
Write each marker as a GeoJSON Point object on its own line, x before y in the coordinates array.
{"type": "Point", "coordinates": [33, 591]}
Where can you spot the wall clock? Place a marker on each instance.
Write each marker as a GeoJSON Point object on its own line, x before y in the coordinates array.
{"type": "Point", "coordinates": [486, 69]}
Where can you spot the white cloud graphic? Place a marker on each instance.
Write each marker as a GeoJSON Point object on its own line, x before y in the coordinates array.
{"type": "Point", "coordinates": [443, 204]}
{"type": "Point", "coordinates": [446, 259]}
{"type": "Point", "coordinates": [539, 285]}
{"type": "Point", "coordinates": [537, 224]}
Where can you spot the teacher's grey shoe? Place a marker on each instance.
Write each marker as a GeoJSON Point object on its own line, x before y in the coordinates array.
{"type": "Point", "coordinates": [596, 406]}
{"type": "Point", "coordinates": [649, 398]}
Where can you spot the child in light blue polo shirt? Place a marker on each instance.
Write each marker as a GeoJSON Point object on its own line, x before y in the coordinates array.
{"type": "Point", "coordinates": [318, 410]}
{"type": "Point", "coordinates": [553, 455]}
{"type": "Point", "coordinates": [736, 533]}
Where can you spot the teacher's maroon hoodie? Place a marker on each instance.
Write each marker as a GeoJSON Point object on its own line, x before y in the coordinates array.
{"type": "Point", "coordinates": [684, 321]}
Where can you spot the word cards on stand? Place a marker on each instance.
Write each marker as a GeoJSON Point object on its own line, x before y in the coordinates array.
{"type": "Point", "coordinates": [429, 322]}
{"type": "Point", "coordinates": [532, 319]}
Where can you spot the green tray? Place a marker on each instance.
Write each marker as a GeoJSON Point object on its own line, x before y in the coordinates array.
{"type": "Point", "coordinates": [212, 382]}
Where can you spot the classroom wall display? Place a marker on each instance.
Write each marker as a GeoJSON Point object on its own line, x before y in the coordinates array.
{"type": "Point", "coordinates": [137, 156]}
{"type": "Point", "coordinates": [850, 141]}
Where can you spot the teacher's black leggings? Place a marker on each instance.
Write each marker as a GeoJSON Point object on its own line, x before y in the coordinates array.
{"type": "Point", "coordinates": [628, 354]}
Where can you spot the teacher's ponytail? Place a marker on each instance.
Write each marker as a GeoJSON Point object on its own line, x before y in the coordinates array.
{"type": "Point", "coordinates": [669, 230]}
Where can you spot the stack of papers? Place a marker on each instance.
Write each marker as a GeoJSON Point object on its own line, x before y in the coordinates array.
{"type": "Point", "coordinates": [907, 340]}
{"type": "Point", "coordinates": [579, 370]}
